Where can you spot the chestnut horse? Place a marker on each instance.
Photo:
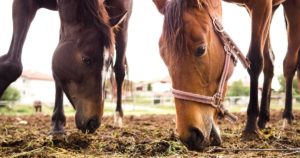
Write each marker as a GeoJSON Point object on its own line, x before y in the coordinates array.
{"type": "Point", "coordinates": [261, 56]}
{"type": "Point", "coordinates": [81, 58]}
{"type": "Point", "coordinates": [200, 58]}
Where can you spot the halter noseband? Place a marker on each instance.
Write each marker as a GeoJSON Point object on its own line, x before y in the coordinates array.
{"type": "Point", "coordinates": [232, 52]}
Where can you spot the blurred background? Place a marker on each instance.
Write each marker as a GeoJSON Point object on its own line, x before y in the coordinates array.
{"type": "Point", "coordinates": [147, 86]}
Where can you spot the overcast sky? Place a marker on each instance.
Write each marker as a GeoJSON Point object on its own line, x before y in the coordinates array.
{"type": "Point", "coordinates": [144, 31]}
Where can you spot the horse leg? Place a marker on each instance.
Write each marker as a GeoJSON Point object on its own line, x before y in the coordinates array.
{"type": "Point", "coordinates": [290, 65]}
{"type": "Point", "coordinates": [58, 117]}
{"type": "Point", "coordinates": [291, 60]}
{"type": "Point", "coordinates": [268, 70]}
{"type": "Point", "coordinates": [23, 13]}
{"type": "Point", "coordinates": [115, 8]}
{"type": "Point", "coordinates": [261, 12]}
{"type": "Point", "coordinates": [119, 68]}
{"type": "Point", "coordinates": [298, 73]}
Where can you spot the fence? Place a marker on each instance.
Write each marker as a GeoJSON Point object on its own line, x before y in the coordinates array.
{"type": "Point", "coordinates": [168, 99]}
{"type": "Point", "coordinates": [7, 104]}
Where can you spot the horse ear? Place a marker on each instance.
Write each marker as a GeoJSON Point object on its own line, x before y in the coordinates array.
{"type": "Point", "coordinates": [160, 5]}
{"type": "Point", "coordinates": [114, 21]}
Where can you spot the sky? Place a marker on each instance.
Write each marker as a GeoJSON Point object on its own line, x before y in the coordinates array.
{"type": "Point", "coordinates": [144, 31]}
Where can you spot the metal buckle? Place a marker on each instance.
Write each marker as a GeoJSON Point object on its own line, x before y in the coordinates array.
{"type": "Point", "coordinates": [218, 25]}
{"type": "Point", "coordinates": [227, 49]}
{"type": "Point", "coordinates": [217, 98]}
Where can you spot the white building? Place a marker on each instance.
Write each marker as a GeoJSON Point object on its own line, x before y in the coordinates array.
{"type": "Point", "coordinates": [158, 90]}
{"type": "Point", "coordinates": [35, 86]}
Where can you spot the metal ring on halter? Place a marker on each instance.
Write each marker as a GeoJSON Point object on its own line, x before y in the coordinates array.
{"type": "Point", "coordinates": [217, 98]}
{"type": "Point", "coordinates": [227, 49]}
{"type": "Point", "coordinates": [218, 26]}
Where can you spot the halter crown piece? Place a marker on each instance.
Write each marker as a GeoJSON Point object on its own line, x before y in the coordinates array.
{"type": "Point", "coordinates": [232, 52]}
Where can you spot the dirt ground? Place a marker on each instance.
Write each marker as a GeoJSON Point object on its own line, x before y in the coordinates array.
{"type": "Point", "coordinates": [142, 136]}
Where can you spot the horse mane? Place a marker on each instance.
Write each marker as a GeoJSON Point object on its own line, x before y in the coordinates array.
{"type": "Point", "coordinates": [173, 32]}
{"type": "Point", "coordinates": [173, 29]}
{"type": "Point", "coordinates": [90, 12]}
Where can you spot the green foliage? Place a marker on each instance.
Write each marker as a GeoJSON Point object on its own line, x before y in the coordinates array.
{"type": "Point", "coordinates": [11, 94]}
{"type": "Point", "coordinates": [282, 89]}
{"type": "Point", "coordinates": [238, 89]}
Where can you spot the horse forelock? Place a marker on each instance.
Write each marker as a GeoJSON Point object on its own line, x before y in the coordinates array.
{"type": "Point", "coordinates": [173, 32]}
{"type": "Point", "coordinates": [93, 12]}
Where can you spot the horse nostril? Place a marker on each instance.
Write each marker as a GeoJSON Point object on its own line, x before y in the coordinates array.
{"type": "Point", "coordinates": [197, 136]}
{"type": "Point", "coordinates": [215, 138]}
{"type": "Point", "coordinates": [92, 125]}
{"type": "Point", "coordinates": [196, 140]}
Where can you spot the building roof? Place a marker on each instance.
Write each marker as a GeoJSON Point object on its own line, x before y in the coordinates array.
{"type": "Point", "coordinates": [34, 75]}
{"type": "Point", "coordinates": [166, 79]}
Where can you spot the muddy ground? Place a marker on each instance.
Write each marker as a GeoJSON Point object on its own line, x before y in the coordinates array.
{"type": "Point", "coordinates": [142, 136]}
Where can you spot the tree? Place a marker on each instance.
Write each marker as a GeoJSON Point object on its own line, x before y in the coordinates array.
{"type": "Point", "coordinates": [238, 89]}
{"type": "Point", "coordinates": [11, 94]}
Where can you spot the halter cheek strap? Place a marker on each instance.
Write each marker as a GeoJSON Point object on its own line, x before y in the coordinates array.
{"type": "Point", "coordinates": [232, 51]}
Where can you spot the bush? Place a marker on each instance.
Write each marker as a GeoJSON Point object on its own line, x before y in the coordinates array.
{"type": "Point", "coordinates": [11, 94]}
{"type": "Point", "coordinates": [282, 89]}
{"type": "Point", "coordinates": [238, 89]}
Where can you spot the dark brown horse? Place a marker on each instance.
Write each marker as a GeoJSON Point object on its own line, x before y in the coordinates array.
{"type": "Point", "coordinates": [199, 57]}
{"type": "Point", "coordinates": [261, 56]}
{"type": "Point", "coordinates": [81, 57]}
{"type": "Point", "coordinates": [115, 8]}
{"type": "Point", "coordinates": [292, 58]}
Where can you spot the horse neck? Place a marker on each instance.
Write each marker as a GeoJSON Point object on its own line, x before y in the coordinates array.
{"type": "Point", "coordinates": [68, 11]}
{"type": "Point", "coordinates": [71, 25]}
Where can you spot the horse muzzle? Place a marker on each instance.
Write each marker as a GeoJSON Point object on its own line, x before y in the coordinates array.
{"type": "Point", "coordinates": [197, 140]}
{"type": "Point", "coordinates": [89, 125]}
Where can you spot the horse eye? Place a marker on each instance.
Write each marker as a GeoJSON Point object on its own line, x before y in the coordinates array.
{"type": "Point", "coordinates": [200, 51]}
{"type": "Point", "coordinates": [86, 60]}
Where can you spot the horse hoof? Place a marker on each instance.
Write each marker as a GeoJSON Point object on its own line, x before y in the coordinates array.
{"type": "Point", "coordinates": [286, 124]}
{"type": "Point", "coordinates": [251, 135]}
{"type": "Point", "coordinates": [57, 132]}
{"type": "Point", "coordinates": [57, 135]}
{"type": "Point", "coordinates": [58, 138]}
{"type": "Point", "coordinates": [261, 124]}
{"type": "Point", "coordinates": [118, 120]}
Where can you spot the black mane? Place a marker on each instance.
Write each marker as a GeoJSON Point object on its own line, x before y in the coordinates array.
{"type": "Point", "coordinates": [90, 12]}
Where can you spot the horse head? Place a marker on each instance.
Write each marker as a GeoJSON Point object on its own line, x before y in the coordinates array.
{"type": "Point", "coordinates": [83, 57]}
{"type": "Point", "coordinates": [195, 58]}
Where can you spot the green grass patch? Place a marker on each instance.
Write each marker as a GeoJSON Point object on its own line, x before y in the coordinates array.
{"type": "Point", "coordinates": [109, 109]}
{"type": "Point", "coordinates": [273, 106]}
{"type": "Point", "coordinates": [136, 109]}
{"type": "Point", "coordinates": [128, 108]}
{"type": "Point", "coordinates": [29, 110]}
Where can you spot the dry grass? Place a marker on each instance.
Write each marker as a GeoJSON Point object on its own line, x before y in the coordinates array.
{"type": "Point", "coordinates": [144, 136]}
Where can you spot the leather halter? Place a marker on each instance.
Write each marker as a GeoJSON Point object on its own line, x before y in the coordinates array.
{"type": "Point", "coordinates": [232, 52]}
